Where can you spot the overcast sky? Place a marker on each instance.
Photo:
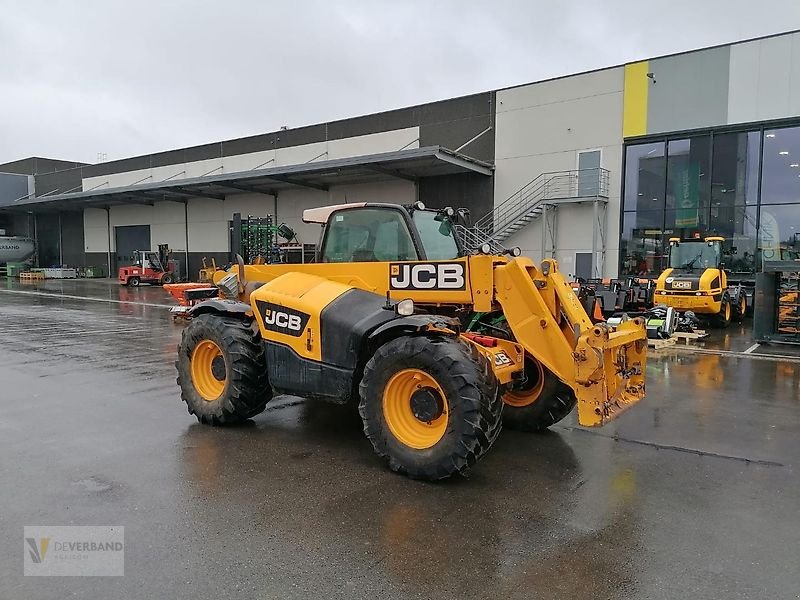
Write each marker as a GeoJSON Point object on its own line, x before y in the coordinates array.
{"type": "Point", "coordinates": [125, 78]}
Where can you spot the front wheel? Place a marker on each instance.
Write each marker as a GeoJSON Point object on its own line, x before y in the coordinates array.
{"type": "Point", "coordinates": [723, 318]}
{"type": "Point", "coordinates": [222, 371]}
{"type": "Point", "coordinates": [167, 278]}
{"type": "Point", "coordinates": [429, 406]}
{"type": "Point", "coordinates": [539, 402]}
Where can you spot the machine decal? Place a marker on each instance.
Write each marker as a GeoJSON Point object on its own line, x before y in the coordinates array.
{"type": "Point", "coordinates": [282, 319]}
{"type": "Point", "coordinates": [501, 359]}
{"type": "Point", "coordinates": [427, 276]}
{"type": "Point", "coordinates": [682, 285]}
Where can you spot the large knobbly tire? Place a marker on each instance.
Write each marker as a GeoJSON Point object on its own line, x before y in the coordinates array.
{"type": "Point", "coordinates": [723, 318]}
{"type": "Point", "coordinates": [537, 407]}
{"type": "Point", "coordinates": [741, 308]}
{"type": "Point", "coordinates": [228, 382]}
{"type": "Point", "coordinates": [443, 378]}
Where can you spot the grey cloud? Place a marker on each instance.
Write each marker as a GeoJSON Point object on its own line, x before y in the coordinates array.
{"type": "Point", "coordinates": [126, 78]}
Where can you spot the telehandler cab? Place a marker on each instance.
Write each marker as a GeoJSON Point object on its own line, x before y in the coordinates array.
{"type": "Point", "coordinates": [438, 346]}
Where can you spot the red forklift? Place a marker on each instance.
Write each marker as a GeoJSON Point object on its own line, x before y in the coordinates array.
{"type": "Point", "coordinates": [150, 267]}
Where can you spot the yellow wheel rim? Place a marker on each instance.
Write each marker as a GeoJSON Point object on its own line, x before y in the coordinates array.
{"type": "Point", "coordinates": [526, 397]}
{"type": "Point", "coordinates": [208, 370]}
{"type": "Point", "coordinates": [742, 305]}
{"type": "Point", "coordinates": [727, 311]}
{"type": "Point", "coordinates": [415, 408]}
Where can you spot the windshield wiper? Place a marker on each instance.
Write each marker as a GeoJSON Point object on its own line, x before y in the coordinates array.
{"type": "Point", "coordinates": [690, 265]}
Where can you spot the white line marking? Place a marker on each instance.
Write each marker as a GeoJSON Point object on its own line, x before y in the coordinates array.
{"type": "Point", "coordinates": [751, 348]}
{"type": "Point", "coordinates": [107, 300]}
{"type": "Point", "coordinates": [753, 355]}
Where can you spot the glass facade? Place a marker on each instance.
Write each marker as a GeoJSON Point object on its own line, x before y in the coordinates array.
{"type": "Point", "coordinates": [744, 186]}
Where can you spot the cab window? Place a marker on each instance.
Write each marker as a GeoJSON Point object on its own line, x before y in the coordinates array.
{"type": "Point", "coordinates": [367, 235]}
{"type": "Point", "coordinates": [437, 235]}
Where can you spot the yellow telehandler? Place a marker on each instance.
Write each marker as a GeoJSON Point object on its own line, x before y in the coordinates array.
{"type": "Point", "coordinates": [438, 346]}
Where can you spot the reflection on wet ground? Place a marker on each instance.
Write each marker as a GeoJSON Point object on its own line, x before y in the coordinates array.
{"type": "Point", "coordinates": [692, 494]}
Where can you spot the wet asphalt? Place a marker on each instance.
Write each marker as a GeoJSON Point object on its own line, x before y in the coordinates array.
{"type": "Point", "coordinates": [692, 494]}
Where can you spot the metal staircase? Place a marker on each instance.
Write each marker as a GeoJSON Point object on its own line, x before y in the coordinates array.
{"type": "Point", "coordinates": [529, 202]}
{"type": "Point", "coordinates": [538, 198]}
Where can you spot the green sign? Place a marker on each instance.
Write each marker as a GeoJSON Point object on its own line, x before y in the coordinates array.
{"type": "Point", "coordinates": [685, 183]}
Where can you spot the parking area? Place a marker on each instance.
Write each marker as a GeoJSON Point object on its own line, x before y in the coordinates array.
{"type": "Point", "coordinates": [691, 494]}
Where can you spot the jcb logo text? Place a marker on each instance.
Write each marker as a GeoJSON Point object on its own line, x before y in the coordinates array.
{"type": "Point", "coordinates": [282, 319]}
{"type": "Point", "coordinates": [427, 276]}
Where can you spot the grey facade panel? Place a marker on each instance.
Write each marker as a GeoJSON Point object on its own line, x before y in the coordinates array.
{"type": "Point", "coordinates": [300, 136]}
{"type": "Point", "coordinates": [35, 165]}
{"type": "Point", "coordinates": [25, 166]}
{"type": "Point", "coordinates": [690, 91]}
{"type": "Point", "coordinates": [465, 107]}
{"type": "Point", "coordinates": [470, 190]}
{"type": "Point", "coordinates": [453, 123]}
{"type": "Point", "coordinates": [59, 182]}
{"type": "Point", "coordinates": [204, 152]}
{"type": "Point", "coordinates": [118, 166]}
{"type": "Point", "coordinates": [171, 157]}
{"type": "Point", "coordinates": [385, 121]}
{"type": "Point", "coordinates": [254, 143]}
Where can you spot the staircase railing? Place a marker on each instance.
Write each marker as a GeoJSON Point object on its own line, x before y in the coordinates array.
{"type": "Point", "coordinates": [523, 204]}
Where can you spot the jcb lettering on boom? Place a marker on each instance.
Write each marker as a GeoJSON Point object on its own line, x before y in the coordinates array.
{"type": "Point", "coordinates": [427, 276]}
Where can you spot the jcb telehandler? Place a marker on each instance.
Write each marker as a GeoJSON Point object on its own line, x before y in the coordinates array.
{"type": "Point", "coordinates": [696, 280]}
{"type": "Point", "coordinates": [437, 346]}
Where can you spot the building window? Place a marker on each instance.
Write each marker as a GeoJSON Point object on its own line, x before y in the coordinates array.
{"type": "Point", "coordinates": [780, 178]}
{"type": "Point", "coordinates": [688, 181]}
{"type": "Point", "coordinates": [642, 243]}
{"type": "Point", "coordinates": [779, 234]}
{"type": "Point", "coordinates": [734, 169]}
{"type": "Point", "coordinates": [645, 168]}
{"type": "Point", "coordinates": [705, 185]}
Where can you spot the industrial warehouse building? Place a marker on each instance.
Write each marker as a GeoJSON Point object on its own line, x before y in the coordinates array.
{"type": "Point", "coordinates": [597, 169]}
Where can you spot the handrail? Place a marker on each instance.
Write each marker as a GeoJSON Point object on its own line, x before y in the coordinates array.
{"type": "Point", "coordinates": [546, 188]}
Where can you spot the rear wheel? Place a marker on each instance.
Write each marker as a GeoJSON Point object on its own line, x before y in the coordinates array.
{"type": "Point", "coordinates": [222, 371]}
{"type": "Point", "coordinates": [134, 281]}
{"type": "Point", "coordinates": [741, 307]}
{"type": "Point", "coordinates": [542, 400]}
{"type": "Point", "coordinates": [430, 406]}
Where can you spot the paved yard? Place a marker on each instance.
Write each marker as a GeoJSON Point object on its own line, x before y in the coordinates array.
{"type": "Point", "coordinates": [692, 494]}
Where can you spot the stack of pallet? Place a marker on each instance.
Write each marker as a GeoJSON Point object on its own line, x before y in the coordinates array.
{"type": "Point", "coordinates": [31, 276]}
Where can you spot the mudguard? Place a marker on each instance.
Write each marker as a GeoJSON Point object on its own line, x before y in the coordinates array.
{"type": "Point", "coordinates": [223, 306]}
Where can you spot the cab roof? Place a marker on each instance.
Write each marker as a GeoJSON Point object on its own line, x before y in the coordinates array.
{"type": "Point", "coordinates": [322, 214]}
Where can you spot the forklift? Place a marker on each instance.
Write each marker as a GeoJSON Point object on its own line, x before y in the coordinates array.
{"type": "Point", "coordinates": [150, 267]}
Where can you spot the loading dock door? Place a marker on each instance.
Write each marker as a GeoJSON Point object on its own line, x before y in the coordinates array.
{"type": "Point", "coordinates": [130, 238]}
